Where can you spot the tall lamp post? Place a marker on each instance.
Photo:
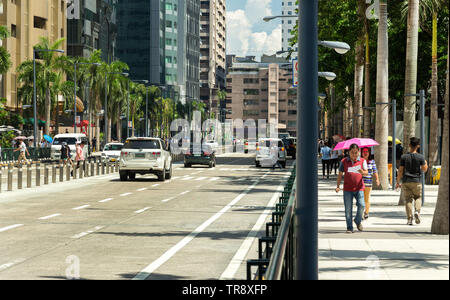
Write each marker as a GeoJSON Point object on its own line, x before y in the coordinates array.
{"type": "Point", "coordinates": [306, 207]}
{"type": "Point", "coordinates": [34, 88]}
{"type": "Point", "coordinates": [75, 92]}
{"type": "Point", "coordinates": [105, 135]}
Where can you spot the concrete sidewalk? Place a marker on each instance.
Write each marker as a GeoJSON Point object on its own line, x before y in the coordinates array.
{"type": "Point", "coordinates": [388, 248]}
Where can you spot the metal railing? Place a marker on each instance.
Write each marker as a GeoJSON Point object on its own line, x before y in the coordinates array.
{"type": "Point", "coordinates": [276, 262]}
{"type": "Point", "coordinates": [8, 155]}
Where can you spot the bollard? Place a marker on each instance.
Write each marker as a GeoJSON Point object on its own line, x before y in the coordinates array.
{"type": "Point", "coordinates": [61, 172]}
{"type": "Point", "coordinates": [45, 174]}
{"type": "Point", "coordinates": [98, 167]}
{"type": "Point", "coordinates": [19, 177]}
{"type": "Point", "coordinates": [10, 175]}
{"type": "Point", "coordinates": [38, 174]}
{"type": "Point", "coordinates": [28, 176]}
{"type": "Point", "coordinates": [68, 166]}
{"type": "Point", "coordinates": [103, 162]}
{"type": "Point", "coordinates": [53, 173]}
{"type": "Point", "coordinates": [81, 169]}
{"type": "Point", "coordinates": [74, 171]}
{"type": "Point", "coordinates": [107, 166]}
{"type": "Point", "coordinates": [117, 166]}
{"type": "Point", "coordinates": [92, 169]}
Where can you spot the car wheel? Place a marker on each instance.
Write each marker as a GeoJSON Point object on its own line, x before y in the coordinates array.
{"type": "Point", "coordinates": [283, 164]}
{"type": "Point", "coordinates": [169, 173]}
{"type": "Point", "coordinates": [132, 176]}
{"type": "Point", "coordinates": [123, 176]}
{"type": "Point", "coordinates": [187, 165]}
{"type": "Point", "coordinates": [258, 165]}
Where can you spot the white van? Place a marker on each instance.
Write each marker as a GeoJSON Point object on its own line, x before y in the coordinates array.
{"type": "Point", "coordinates": [71, 139]}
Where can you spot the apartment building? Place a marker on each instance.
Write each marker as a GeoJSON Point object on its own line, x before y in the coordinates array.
{"type": "Point", "coordinates": [27, 21]}
{"type": "Point", "coordinates": [213, 52]}
{"type": "Point", "coordinates": [288, 24]}
{"type": "Point", "coordinates": [262, 91]}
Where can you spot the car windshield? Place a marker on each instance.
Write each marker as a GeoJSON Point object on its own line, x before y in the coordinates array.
{"type": "Point", "coordinates": [113, 147]}
{"type": "Point", "coordinates": [267, 143]}
{"type": "Point", "coordinates": [142, 144]}
{"type": "Point", "coordinates": [69, 141]}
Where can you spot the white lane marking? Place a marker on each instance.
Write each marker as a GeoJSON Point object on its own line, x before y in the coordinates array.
{"type": "Point", "coordinates": [106, 200]}
{"type": "Point", "coordinates": [81, 207]}
{"type": "Point", "coordinates": [176, 177]}
{"type": "Point", "coordinates": [141, 190]}
{"type": "Point", "coordinates": [145, 273]}
{"type": "Point", "coordinates": [187, 178]}
{"type": "Point", "coordinates": [49, 217]}
{"type": "Point", "coordinates": [167, 200]}
{"type": "Point", "coordinates": [241, 254]}
{"type": "Point", "coordinates": [126, 194]}
{"type": "Point", "coordinates": [184, 193]}
{"type": "Point", "coordinates": [10, 227]}
{"type": "Point", "coordinates": [200, 178]}
{"type": "Point", "coordinates": [214, 179]}
{"type": "Point", "coordinates": [10, 264]}
{"type": "Point", "coordinates": [142, 210]}
{"type": "Point", "coordinates": [155, 185]}
{"type": "Point", "coordinates": [80, 235]}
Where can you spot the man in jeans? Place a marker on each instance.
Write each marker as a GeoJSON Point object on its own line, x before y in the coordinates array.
{"type": "Point", "coordinates": [412, 165]}
{"type": "Point", "coordinates": [354, 167]}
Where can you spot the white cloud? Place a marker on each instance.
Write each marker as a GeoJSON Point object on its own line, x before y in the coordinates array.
{"type": "Point", "coordinates": [245, 30]}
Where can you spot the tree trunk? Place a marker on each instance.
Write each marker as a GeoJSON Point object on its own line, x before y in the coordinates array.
{"type": "Point", "coordinates": [412, 42]}
{"type": "Point", "coordinates": [440, 220]}
{"type": "Point", "coordinates": [433, 150]}
{"type": "Point", "coordinates": [367, 112]}
{"type": "Point", "coordinates": [359, 73]}
{"type": "Point", "coordinates": [48, 109]}
{"type": "Point", "coordinates": [381, 135]}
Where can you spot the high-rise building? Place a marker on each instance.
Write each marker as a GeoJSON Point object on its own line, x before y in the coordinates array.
{"type": "Point", "coordinates": [93, 26]}
{"type": "Point", "coordinates": [262, 91]}
{"type": "Point", "coordinates": [159, 40]}
{"type": "Point", "coordinates": [27, 21]}
{"type": "Point", "coordinates": [288, 24]}
{"type": "Point", "coordinates": [213, 52]}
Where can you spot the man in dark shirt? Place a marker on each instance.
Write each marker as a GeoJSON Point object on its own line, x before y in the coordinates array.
{"type": "Point", "coordinates": [412, 165]}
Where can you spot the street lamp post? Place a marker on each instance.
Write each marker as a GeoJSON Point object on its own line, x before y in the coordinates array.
{"type": "Point", "coordinates": [34, 88]}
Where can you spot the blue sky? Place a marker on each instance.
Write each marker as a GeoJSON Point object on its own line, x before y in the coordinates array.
{"type": "Point", "coordinates": [247, 33]}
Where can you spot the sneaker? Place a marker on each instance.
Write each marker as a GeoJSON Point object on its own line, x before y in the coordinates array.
{"type": "Point", "coordinates": [349, 231]}
{"type": "Point", "coordinates": [366, 216]}
{"type": "Point", "coordinates": [359, 226]}
{"type": "Point", "coordinates": [410, 222]}
{"type": "Point", "coordinates": [417, 217]}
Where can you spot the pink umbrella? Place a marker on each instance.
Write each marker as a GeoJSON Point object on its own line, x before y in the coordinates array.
{"type": "Point", "coordinates": [362, 143]}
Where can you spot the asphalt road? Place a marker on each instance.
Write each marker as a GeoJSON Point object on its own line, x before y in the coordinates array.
{"type": "Point", "coordinates": [200, 225]}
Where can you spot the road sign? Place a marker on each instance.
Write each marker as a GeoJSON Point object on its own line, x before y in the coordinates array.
{"type": "Point", "coordinates": [295, 72]}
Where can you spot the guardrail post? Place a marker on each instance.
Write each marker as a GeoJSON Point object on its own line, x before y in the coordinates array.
{"type": "Point", "coordinates": [29, 175]}
{"type": "Point", "coordinates": [45, 174]}
{"type": "Point", "coordinates": [19, 177]}
{"type": "Point", "coordinates": [38, 174]}
{"type": "Point", "coordinates": [10, 175]}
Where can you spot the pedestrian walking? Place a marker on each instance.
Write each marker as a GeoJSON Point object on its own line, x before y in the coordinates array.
{"type": "Point", "coordinates": [79, 158]}
{"type": "Point", "coordinates": [23, 152]}
{"type": "Point", "coordinates": [65, 154]}
{"type": "Point", "coordinates": [412, 165]}
{"type": "Point", "coordinates": [325, 154]}
{"type": "Point", "coordinates": [353, 168]}
{"type": "Point", "coordinates": [368, 180]}
{"type": "Point", "coordinates": [390, 162]}
{"type": "Point", "coordinates": [334, 160]}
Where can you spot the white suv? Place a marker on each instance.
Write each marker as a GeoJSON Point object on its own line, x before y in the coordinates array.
{"type": "Point", "coordinates": [145, 156]}
{"type": "Point", "coordinates": [269, 151]}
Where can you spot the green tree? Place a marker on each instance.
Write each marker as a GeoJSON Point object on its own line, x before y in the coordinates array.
{"type": "Point", "coordinates": [5, 57]}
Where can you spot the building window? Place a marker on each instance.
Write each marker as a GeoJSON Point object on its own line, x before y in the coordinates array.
{"type": "Point", "coordinates": [40, 22]}
{"type": "Point", "coordinates": [13, 30]}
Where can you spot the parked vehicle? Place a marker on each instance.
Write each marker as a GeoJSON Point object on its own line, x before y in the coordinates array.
{"type": "Point", "coordinates": [201, 155]}
{"type": "Point", "coordinates": [112, 151]}
{"type": "Point", "coordinates": [145, 156]}
{"type": "Point", "coordinates": [265, 155]}
{"type": "Point", "coordinates": [249, 146]}
{"type": "Point", "coordinates": [71, 139]}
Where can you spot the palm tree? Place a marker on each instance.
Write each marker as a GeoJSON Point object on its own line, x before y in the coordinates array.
{"type": "Point", "coordinates": [441, 216]}
{"type": "Point", "coordinates": [382, 95]}
{"type": "Point", "coordinates": [359, 72]}
{"type": "Point", "coordinates": [440, 220]}
{"type": "Point", "coordinates": [367, 113]}
{"type": "Point", "coordinates": [5, 57]}
{"type": "Point", "coordinates": [430, 10]}
{"type": "Point", "coordinates": [49, 67]}
{"type": "Point", "coordinates": [412, 44]}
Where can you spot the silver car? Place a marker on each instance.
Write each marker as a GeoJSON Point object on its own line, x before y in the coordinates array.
{"type": "Point", "coordinates": [269, 151]}
{"type": "Point", "coordinates": [145, 156]}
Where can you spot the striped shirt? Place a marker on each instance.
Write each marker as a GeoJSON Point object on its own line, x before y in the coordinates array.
{"type": "Point", "coordinates": [372, 168]}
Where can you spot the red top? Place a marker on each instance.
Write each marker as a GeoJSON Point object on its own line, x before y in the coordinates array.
{"type": "Point", "coordinates": [353, 180]}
